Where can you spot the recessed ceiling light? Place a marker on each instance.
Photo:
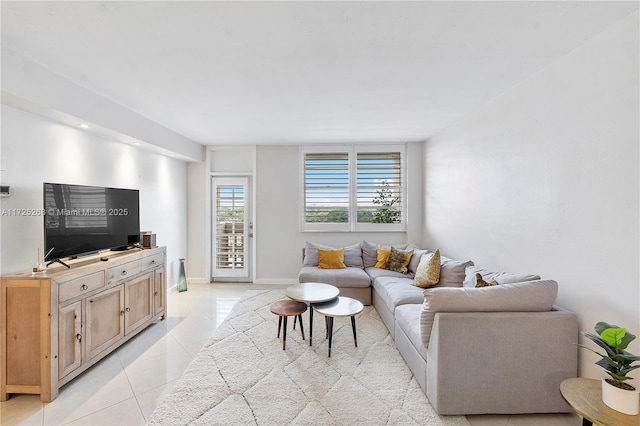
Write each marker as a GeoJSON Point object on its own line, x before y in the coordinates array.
{"type": "Point", "coordinates": [84, 125]}
{"type": "Point", "coordinates": [136, 143]}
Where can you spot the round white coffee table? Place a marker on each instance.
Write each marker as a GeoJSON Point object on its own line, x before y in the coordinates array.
{"type": "Point", "coordinates": [312, 293]}
{"type": "Point", "coordinates": [340, 307]}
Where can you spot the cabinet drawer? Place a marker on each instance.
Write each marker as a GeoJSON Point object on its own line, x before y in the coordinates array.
{"type": "Point", "coordinates": [151, 262]}
{"type": "Point", "coordinates": [79, 286]}
{"type": "Point", "coordinates": [122, 271]}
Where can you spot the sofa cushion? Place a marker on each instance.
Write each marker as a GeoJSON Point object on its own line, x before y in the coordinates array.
{"type": "Point", "coordinates": [428, 273]}
{"type": "Point", "coordinates": [395, 291]}
{"type": "Point", "coordinates": [369, 251]}
{"type": "Point", "coordinates": [499, 277]}
{"type": "Point", "coordinates": [408, 319]}
{"type": "Point", "coordinates": [331, 259]}
{"type": "Point", "coordinates": [348, 277]}
{"type": "Point", "coordinates": [452, 272]}
{"type": "Point", "coordinates": [374, 273]}
{"type": "Point", "coordinates": [352, 254]}
{"type": "Point", "coordinates": [531, 296]}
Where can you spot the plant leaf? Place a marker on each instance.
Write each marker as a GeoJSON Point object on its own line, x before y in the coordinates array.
{"type": "Point", "coordinates": [613, 336]}
{"type": "Point", "coordinates": [600, 342]}
{"type": "Point", "coordinates": [628, 338]}
{"type": "Point", "coordinates": [601, 326]}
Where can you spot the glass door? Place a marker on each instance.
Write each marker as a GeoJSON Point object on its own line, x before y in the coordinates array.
{"type": "Point", "coordinates": [231, 229]}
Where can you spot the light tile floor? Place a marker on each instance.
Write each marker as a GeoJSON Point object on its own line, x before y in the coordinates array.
{"type": "Point", "coordinates": [125, 387]}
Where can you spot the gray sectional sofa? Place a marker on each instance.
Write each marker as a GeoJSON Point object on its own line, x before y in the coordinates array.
{"type": "Point", "coordinates": [492, 350]}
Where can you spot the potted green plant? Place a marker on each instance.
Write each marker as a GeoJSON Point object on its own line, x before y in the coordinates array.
{"type": "Point", "coordinates": [617, 363]}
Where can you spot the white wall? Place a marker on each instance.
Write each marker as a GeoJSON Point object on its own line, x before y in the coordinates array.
{"type": "Point", "coordinates": [545, 179]}
{"type": "Point", "coordinates": [279, 240]}
{"type": "Point", "coordinates": [36, 149]}
{"type": "Point", "coordinates": [198, 223]}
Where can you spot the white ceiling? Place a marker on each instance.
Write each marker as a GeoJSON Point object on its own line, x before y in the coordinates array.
{"type": "Point", "coordinates": [301, 72]}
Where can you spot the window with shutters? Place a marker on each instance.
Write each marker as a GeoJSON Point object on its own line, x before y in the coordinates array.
{"type": "Point", "coordinates": [353, 188]}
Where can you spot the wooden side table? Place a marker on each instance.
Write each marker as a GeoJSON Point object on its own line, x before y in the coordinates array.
{"type": "Point", "coordinates": [288, 308]}
{"type": "Point", "coordinates": [585, 397]}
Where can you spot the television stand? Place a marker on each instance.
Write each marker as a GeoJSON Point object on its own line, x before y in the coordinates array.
{"type": "Point", "coordinates": [58, 261]}
{"type": "Point", "coordinates": [57, 324]}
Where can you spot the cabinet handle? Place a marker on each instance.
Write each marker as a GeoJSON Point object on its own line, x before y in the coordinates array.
{"type": "Point", "coordinates": [84, 287]}
{"type": "Point", "coordinates": [79, 337]}
{"type": "Point", "coordinates": [124, 272]}
{"type": "Point", "coordinates": [155, 294]}
{"type": "Point", "coordinates": [128, 309]}
{"type": "Point", "coordinates": [153, 262]}
{"type": "Point", "coordinates": [121, 312]}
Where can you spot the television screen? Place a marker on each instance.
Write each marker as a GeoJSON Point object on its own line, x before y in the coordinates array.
{"type": "Point", "coordinates": [81, 219]}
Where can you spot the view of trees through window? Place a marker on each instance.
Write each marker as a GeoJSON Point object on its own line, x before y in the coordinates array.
{"type": "Point", "coordinates": [329, 191]}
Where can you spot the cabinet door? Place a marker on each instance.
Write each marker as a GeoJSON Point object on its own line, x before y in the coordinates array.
{"type": "Point", "coordinates": [138, 301]}
{"type": "Point", "coordinates": [104, 320]}
{"type": "Point", "coordinates": [159, 292]}
{"type": "Point", "coordinates": [69, 338]}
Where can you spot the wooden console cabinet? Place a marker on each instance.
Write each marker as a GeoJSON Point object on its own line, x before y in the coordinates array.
{"type": "Point", "coordinates": [56, 324]}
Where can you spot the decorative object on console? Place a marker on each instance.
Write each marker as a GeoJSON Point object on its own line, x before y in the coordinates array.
{"type": "Point", "coordinates": [617, 363]}
{"type": "Point", "coordinates": [182, 278]}
{"type": "Point", "coordinates": [148, 239]}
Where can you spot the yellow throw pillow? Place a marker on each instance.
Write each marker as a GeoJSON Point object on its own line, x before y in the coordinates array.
{"type": "Point", "coordinates": [428, 272]}
{"type": "Point", "coordinates": [382, 254]}
{"type": "Point", "coordinates": [398, 260]}
{"type": "Point", "coordinates": [331, 259]}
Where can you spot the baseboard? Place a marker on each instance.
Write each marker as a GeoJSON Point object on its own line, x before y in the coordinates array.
{"type": "Point", "coordinates": [260, 281]}
{"type": "Point", "coordinates": [276, 281]}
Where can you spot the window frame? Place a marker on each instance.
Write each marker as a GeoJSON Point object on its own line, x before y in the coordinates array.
{"type": "Point", "coordinates": [352, 224]}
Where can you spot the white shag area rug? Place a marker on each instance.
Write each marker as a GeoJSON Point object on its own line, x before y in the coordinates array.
{"type": "Point", "coordinates": [243, 377]}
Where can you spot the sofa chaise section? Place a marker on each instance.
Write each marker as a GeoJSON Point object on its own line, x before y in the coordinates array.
{"type": "Point", "coordinates": [504, 363]}
{"type": "Point", "coordinates": [497, 350]}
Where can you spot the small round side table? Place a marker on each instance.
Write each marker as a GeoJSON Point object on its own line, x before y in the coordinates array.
{"type": "Point", "coordinates": [288, 308]}
{"type": "Point", "coordinates": [585, 397]}
{"type": "Point", "coordinates": [339, 307]}
{"type": "Point", "coordinates": [312, 293]}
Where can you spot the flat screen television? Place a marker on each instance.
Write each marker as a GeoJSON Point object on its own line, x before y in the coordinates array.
{"type": "Point", "coordinates": [80, 219]}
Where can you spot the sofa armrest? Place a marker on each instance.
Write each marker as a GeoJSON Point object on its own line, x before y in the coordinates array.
{"type": "Point", "coordinates": [501, 362]}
